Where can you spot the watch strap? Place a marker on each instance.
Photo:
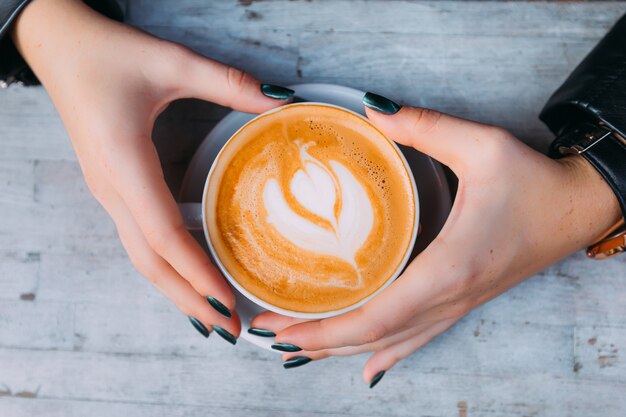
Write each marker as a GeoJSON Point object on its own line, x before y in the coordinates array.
{"type": "Point", "coordinates": [603, 148]}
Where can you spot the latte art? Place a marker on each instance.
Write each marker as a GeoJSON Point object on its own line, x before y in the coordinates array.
{"type": "Point", "coordinates": [333, 194]}
{"type": "Point", "coordinates": [312, 209]}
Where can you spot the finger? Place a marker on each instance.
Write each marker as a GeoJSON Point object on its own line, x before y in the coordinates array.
{"type": "Point", "coordinates": [385, 359]}
{"type": "Point", "coordinates": [273, 321]}
{"type": "Point", "coordinates": [356, 350]}
{"type": "Point", "coordinates": [418, 289]}
{"type": "Point", "coordinates": [137, 177]}
{"type": "Point", "coordinates": [165, 278]}
{"type": "Point", "coordinates": [326, 353]}
{"type": "Point", "coordinates": [222, 84]}
{"type": "Point", "coordinates": [446, 138]}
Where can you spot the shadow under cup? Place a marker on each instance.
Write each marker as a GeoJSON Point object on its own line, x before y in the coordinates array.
{"type": "Point", "coordinates": [195, 214]}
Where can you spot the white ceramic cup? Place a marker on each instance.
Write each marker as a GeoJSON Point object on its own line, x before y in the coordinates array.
{"type": "Point", "coordinates": [194, 215]}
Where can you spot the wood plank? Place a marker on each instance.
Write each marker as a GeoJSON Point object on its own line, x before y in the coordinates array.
{"type": "Point", "coordinates": [57, 213]}
{"type": "Point", "coordinates": [575, 291]}
{"type": "Point", "coordinates": [157, 327]}
{"type": "Point", "coordinates": [599, 352]}
{"type": "Point", "coordinates": [31, 102]}
{"type": "Point", "coordinates": [266, 388]}
{"type": "Point", "coordinates": [38, 228]}
{"type": "Point", "coordinates": [143, 326]}
{"type": "Point", "coordinates": [22, 407]}
{"type": "Point", "coordinates": [17, 184]}
{"type": "Point", "coordinates": [33, 136]}
{"type": "Point", "coordinates": [601, 289]}
{"type": "Point", "coordinates": [466, 18]}
{"type": "Point", "coordinates": [19, 274]}
{"type": "Point", "coordinates": [248, 50]}
{"type": "Point", "coordinates": [61, 186]}
{"type": "Point", "coordinates": [93, 278]}
{"type": "Point", "coordinates": [545, 298]}
{"type": "Point", "coordinates": [36, 325]}
{"type": "Point", "coordinates": [444, 76]}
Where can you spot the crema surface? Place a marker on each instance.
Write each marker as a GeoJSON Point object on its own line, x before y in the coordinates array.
{"type": "Point", "coordinates": [312, 209]}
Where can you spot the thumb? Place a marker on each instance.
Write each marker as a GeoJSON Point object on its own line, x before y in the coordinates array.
{"type": "Point", "coordinates": [213, 81]}
{"type": "Point", "coordinates": [448, 139]}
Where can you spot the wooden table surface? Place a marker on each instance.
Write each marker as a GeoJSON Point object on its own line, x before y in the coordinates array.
{"type": "Point", "coordinates": [82, 334]}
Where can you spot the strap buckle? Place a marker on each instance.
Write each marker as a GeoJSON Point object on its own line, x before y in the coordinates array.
{"type": "Point", "coordinates": [610, 245]}
{"type": "Point", "coordinates": [597, 134]}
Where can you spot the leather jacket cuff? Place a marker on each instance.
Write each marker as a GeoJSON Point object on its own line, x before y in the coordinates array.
{"type": "Point", "coordinates": [13, 68]}
{"type": "Point", "coordinates": [587, 113]}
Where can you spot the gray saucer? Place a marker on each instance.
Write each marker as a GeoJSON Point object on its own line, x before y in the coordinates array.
{"type": "Point", "coordinates": [432, 186]}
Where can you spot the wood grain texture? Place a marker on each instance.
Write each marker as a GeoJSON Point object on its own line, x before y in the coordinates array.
{"type": "Point", "coordinates": [81, 333]}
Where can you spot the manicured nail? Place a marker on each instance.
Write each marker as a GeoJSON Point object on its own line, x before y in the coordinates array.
{"type": "Point", "coordinates": [199, 326]}
{"type": "Point", "coordinates": [276, 91]}
{"type": "Point", "coordinates": [226, 335]}
{"type": "Point", "coordinates": [221, 308]}
{"type": "Point", "coordinates": [377, 379]}
{"type": "Point", "coordinates": [261, 332]}
{"type": "Point", "coordinates": [286, 347]}
{"type": "Point", "coordinates": [296, 361]}
{"type": "Point", "coordinates": [380, 103]}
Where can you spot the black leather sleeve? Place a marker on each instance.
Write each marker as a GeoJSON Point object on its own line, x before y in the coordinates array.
{"type": "Point", "coordinates": [13, 68]}
{"type": "Point", "coordinates": [591, 105]}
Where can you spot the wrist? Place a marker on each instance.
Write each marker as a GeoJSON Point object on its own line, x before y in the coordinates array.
{"type": "Point", "coordinates": [593, 207]}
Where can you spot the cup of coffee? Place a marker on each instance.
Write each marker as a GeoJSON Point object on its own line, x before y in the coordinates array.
{"type": "Point", "coordinates": [309, 210]}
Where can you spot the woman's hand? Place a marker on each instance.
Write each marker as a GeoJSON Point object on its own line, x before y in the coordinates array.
{"type": "Point", "coordinates": [516, 212]}
{"type": "Point", "coordinates": [109, 82]}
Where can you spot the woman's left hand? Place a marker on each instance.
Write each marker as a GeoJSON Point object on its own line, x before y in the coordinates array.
{"type": "Point", "coordinates": [516, 212]}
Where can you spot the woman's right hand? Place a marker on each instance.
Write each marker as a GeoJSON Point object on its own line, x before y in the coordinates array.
{"type": "Point", "coordinates": [109, 82]}
{"type": "Point", "coordinates": [516, 212]}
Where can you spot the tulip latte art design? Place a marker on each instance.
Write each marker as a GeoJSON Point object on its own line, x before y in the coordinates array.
{"type": "Point", "coordinates": [312, 209]}
{"type": "Point", "coordinates": [334, 194]}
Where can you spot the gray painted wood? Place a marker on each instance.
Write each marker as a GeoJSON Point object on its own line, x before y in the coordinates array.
{"type": "Point", "coordinates": [81, 333]}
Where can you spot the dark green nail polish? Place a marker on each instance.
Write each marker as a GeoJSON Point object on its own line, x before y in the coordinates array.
{"type": "Point", "coordinates": [217, 305]}
{"type": "Point", "coordinates": [377, 379]}
{"type": "Point", "coordinates": [380, 103]}
{"type": "Point", "coordinates": [286, 347]}
{"type": "Point", "coordinates": [261, 332]}
{"type": "Point", "coordinates": [276, 91]}
{"type": "Point", "coordinates": [225, 334]}
{"type": "Point", "coordinates": [296, 361]}
{"type": "Point", "coordinates": [199, 326]}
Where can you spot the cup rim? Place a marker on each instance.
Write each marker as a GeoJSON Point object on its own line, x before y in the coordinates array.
{"type": "Point", "coordinates": [299, 314]}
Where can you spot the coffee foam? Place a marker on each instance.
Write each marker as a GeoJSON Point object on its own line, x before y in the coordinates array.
{"type": "Point", "coordinates": [314, 210]}
{"type": "Point", "coordinates": [331, 193]}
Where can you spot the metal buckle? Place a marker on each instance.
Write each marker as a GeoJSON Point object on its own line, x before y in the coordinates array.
{"type": "Point", "coordinates": [591, 138]}
{"type": "Point", "coordinates": [611, 245]}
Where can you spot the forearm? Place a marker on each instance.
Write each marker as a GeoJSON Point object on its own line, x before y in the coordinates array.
{"type": "Point", "coordinates": [54, 35]}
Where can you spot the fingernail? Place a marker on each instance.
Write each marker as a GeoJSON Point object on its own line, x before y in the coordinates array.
{"type": "Point", "coordinates": [377, 379]}
{"type": "Point", "coordinates": [380, 103]}
{"type": "Point", "coordinates": [276, 91]}
{"type": "Point", "coordinates": [296, 361]}
{"type": "Point", "coordinates": [225, 334]}
{"type": "Point", "coordinates": [217, 305]}
{"type": "Point", "coordinates": [286, 347]}
{"type": "Point", "coordinates": [199, 326]}
{"type": "Point", "coordinates": [261, 332]}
